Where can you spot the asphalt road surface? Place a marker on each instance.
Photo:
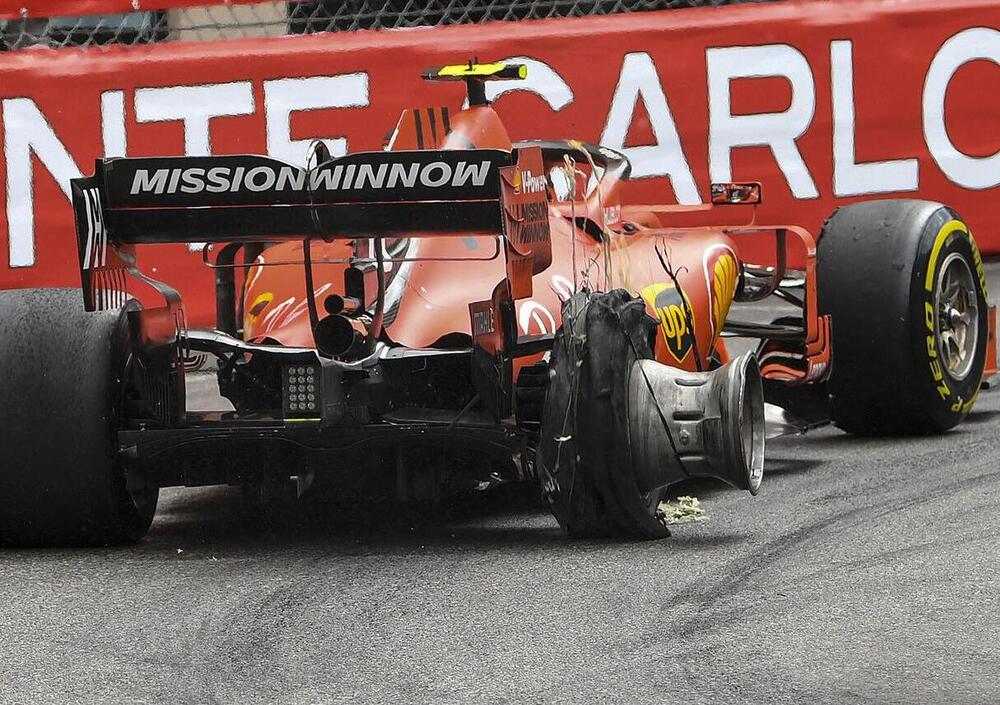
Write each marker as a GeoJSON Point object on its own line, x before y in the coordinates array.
{"type": "Point", "coordinates": [866, 571]}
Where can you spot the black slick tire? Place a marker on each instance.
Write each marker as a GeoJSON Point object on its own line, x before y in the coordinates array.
{"type": "Point", "coordinates": [61, 397]}
{"type": "Point", "coordinates": [879, 271]}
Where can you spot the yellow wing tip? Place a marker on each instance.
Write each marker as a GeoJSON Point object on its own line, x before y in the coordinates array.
{"type": "Point", "coordinates": [491, 71]}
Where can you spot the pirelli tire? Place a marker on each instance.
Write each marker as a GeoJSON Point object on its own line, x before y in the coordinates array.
{"type": "Point", "coordinates": [583, 456]}
{"type": "Point", "coordinates": [904, 284]}
{"type": "Point", "coordinates": [61, 399]}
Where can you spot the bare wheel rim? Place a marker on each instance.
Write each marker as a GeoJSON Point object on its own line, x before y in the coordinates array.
{"type": "Point", "coordinates": [957, 309]}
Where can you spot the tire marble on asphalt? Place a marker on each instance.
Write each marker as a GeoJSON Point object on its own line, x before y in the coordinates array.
{"type": "Point", "coordinates": [864, 572]}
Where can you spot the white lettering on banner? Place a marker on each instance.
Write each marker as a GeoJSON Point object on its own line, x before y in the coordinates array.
{"type": "Point", "coordinates": [639, 79]}
{"type": "Point", "coordinates": [30, 140]}
{"type": "Point", "coordinates": [849, 177]}
{"type": "Point", "coordinates": [542, 80]}
{"type": "Point", "coordinates": [26, 133]}
{"type": "Point", "coordinates": [285, 96]}
{"type": "Point", "coordinates": [779, 131]}
{"type": "Point", "coordinates": [195, 106]}
{"type": "Point", "coordinates": [113, 124]}
{"type": "Point", "coordinates": [979, 43]}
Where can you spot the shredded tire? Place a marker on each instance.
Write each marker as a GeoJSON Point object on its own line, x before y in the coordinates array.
{"type": "Point", "coordinates": [584, 459]}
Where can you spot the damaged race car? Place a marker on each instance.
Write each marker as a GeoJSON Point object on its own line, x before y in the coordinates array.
{"type": "Point", "coordinates": [458, 311]}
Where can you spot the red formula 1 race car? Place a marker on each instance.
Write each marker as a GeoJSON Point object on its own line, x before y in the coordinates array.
{"type": "Point", "coordinates": [458, 311]}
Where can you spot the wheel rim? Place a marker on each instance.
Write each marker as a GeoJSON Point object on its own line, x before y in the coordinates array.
{"type": "Point", "coordinates": [957, 309]}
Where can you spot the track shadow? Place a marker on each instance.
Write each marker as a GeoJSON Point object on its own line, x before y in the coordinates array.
{"type": "Point", "coordinates": [967, 427]}
{"type": "Point", "coordinates": [217, 519]}
{"type": "Point", "coordinates": [984, 416]}
{"type": "Point", "coordinates": [790, 466]}
{"type": "Point", "coordinates": [214, 521]}
{"type": "Point", "coordinates": [774, 466]}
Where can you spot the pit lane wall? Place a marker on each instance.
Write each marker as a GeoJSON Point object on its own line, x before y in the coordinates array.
{"type": "Point", "coordinates": [825, 102]}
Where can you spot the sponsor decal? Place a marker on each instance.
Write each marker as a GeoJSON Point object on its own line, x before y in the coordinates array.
{"type": "Point", "coordinates": [95, 250]}
{"type": "Point", "coordinates": [946, 234]}
{"type": "Point", "coordinates": [980, 271]}
{"type": "Point", "coordinates": [483, 322]}
{"type": "Point", "coordinates": [530, 222]}
{"type": "Point", "coordinates": [724, 277]}
{"type": "Point", "coordinates": [671, 310]}
{"type": "Point", "coordinates": [930, 319]}
{"type": "Point", "coordinates": [562, 287]}
{"type": "Point", "coordinates": [526, 182]}
{"type": "Point", "coordinates": [337, 177]}
{"type": "Point", "coordinates": [533, 315]}
{"type": "Point", "coordinates": [257, 307]}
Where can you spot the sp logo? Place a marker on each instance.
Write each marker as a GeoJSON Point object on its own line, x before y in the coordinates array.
{"type": "Point", "coordinates": [676, 328]}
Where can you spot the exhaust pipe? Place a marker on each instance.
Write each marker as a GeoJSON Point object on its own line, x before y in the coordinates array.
{"type": "Point", "coordinates": [336, 336]}
{"type": "Point", "coordinates": [697, 424]}
{"type": "Point", "coordinates": [335, 304]}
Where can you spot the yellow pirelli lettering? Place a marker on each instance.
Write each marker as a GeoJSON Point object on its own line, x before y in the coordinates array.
{"type": "Point", "coordinates": [944, 233]}
{"type": "Point", "coordinates": [980, 270]}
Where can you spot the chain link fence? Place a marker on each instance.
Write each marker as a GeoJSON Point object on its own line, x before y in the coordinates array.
{"type": "Point", "coordinates": [224, 21]}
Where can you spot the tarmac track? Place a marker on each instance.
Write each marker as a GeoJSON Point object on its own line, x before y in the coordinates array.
{"type": "Point", "coordinates": [865, 572]}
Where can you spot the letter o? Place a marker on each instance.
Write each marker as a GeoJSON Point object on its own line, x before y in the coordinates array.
{"type": "Point", "coordinates": [254, 184]}
{"type": "Point", "coordinates": [425, 174]}
{"type": "Point", "coordinates": [978, 43]}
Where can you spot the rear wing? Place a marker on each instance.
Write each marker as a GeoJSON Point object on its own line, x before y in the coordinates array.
{"type": "Point", "coordinates": [233, 198]}
{"type": "Point", "coordinates": [253, 198]}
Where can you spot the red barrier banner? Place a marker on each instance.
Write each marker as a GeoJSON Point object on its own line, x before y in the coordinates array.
{"type": "Point", "coordinates": [14, 9]}
{"type": "Point", "coordinates": [825, 103]}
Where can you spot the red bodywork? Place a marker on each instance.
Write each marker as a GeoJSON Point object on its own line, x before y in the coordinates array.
{"type": "Point", "coordinates": [596, 242]}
